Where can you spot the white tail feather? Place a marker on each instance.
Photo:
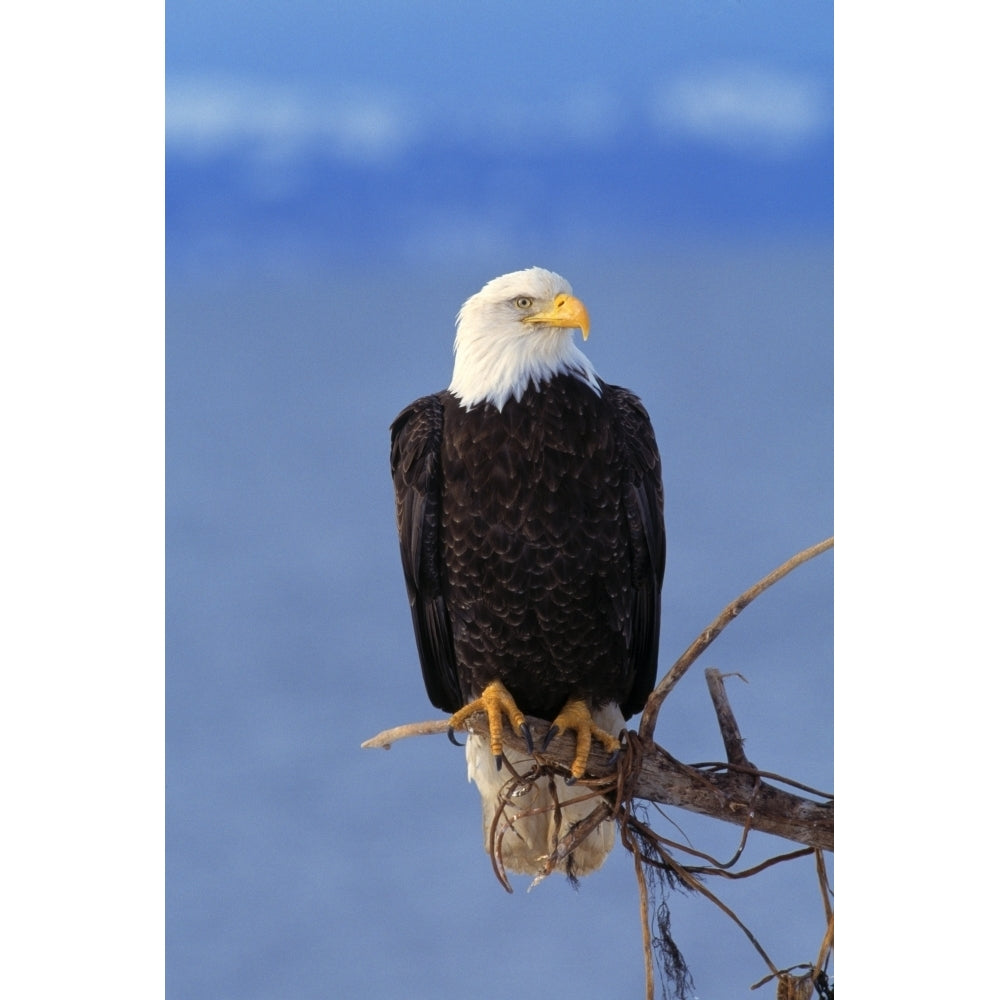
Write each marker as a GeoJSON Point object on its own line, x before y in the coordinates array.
{"type": "Point", "coordinates": [532, 825]}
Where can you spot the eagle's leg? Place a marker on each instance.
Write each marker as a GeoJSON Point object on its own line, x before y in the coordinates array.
{"type": "Point", "coordinates": [498, 703]}
{"type": "Point", "coordinates": [576, 715]}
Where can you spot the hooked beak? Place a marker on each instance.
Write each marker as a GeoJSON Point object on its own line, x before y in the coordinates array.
{"type": "Point", "coordinates": [568, 311]}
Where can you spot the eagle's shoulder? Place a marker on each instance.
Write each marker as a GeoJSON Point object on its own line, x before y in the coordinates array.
{"type": "Point", "coordinates": [635, 426]}
{"type": "Point", "coordinates": [415, 437]}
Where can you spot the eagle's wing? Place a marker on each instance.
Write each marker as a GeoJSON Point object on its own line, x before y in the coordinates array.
{"type": "Point", "coordinates": [644, 505]}
{"type": "Point", "coordinates": [415, 459]}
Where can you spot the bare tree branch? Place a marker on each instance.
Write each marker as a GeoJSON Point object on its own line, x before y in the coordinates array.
{"type": "Point", "coordinates": [385, 739]}
{"type": "Point", "coordinates": [649, 714]}
{"type": "Point", "coordinates": [731, 738]}
{"type": "Point", "coordinates": [731, 794]}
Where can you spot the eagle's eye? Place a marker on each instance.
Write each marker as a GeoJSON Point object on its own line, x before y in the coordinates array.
{"type": "Point", "coordinates": [523, 302]}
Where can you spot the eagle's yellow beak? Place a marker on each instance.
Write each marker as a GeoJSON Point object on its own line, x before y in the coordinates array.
{"type": "Point", "coordinates": [567, 310]}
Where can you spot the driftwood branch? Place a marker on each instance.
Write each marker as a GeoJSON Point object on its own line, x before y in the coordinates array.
{"type": "Point", "coordinates": [733, 793]}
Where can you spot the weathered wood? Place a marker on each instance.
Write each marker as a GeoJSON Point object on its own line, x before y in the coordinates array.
{"type": "Point", "coordinates": [727, 794]}
{"type": "Point", "coordinates": [731, 738]}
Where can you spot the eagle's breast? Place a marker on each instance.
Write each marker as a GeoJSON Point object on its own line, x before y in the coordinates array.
{"type": "Point", "coordinates": [535, 546]}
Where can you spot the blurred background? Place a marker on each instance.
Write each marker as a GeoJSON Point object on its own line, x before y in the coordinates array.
{"type": "Point", "coordinates": [339, 180]}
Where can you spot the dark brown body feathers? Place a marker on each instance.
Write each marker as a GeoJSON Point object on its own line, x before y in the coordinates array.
{"type": "Point", "coordinates": [533, 545]}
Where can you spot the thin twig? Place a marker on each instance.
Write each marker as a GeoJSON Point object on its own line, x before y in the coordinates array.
{"type": "Point", "coordinates": [716, 766]}
{"type": "Point", "coordinates": [708, 636]}
{"type": "Point", "coordinates": [385, 739]}
{"type": "Point", "coordinates": [647, 943]}
{"type": "Point", "coordinates": [750, 872]}
{"type": "Point", "coordinates": [571, 840]}
{"type": "Point", "coordinates": [732, 740]}
{"type": "Point", "coordinates": [824, 885]}
{"type": "Point", "coordinates": [667, 863]}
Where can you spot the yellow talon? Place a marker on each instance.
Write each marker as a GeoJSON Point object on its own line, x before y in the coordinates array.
{"type": "Point", "coordinates": [576, 715]}
{"type": "Point", "coordinates": [498, 703]}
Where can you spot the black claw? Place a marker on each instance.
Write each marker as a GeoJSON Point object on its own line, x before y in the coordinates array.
{"type": "Point", "coordinates": [571, 780]}
{"type": "Point", "coordinates": [613, 759]}
{"type": "Point", "coordinates": [526, 733]}
{"type": "Point", "coordinates": [550, 736]}
{"type": "Point", "coordinates": [499, 759]}
{"type": "Point", "coordinates": [451, 736]}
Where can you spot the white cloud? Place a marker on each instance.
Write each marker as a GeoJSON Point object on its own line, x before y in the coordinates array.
{"type": "Point", "coordinates": [747, 108]}
{"type": "Point", "coordinates": [207, 115]}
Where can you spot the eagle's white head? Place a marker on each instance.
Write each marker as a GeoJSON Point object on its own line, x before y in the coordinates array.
{"type": "Point", "coordinates": [516, 331]}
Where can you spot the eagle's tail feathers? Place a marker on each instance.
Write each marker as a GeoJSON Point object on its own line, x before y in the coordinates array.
{"type": "Point", "coordinates": [536, 815]}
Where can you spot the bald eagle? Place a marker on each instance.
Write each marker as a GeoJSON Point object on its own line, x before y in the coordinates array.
{"type": "Point", "coordinates": [529, 505]}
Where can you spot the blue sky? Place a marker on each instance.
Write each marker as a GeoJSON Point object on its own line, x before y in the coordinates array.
{"type": "Point", "coordinates": [494, 50]}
